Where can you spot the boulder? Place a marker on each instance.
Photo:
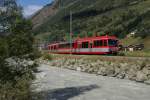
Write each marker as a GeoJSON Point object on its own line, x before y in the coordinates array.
{"type": "Point", "coordinates": [146, 71]}
{"type": "Point", "coordinates": [141, 77]}
{"type": "Point", "coordinates": [147, 82]}
{"type": "Point", "coordinates": [102, 71]}
{"type": "Point", "coordinates": [110, 71]}
{"type": "Point", "coordinates": [78, 68]}
{"type": "Point", "coordinates": [121, 75]}
{"type": "Point", "coordinates": [131, 74]}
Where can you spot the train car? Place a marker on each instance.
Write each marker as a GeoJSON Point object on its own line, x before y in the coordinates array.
{"type": "Point", "coordinates": [91, 45]}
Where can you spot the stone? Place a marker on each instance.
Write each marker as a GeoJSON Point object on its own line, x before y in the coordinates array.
{"type": "Point", "coordinates": [102, 71]}
{"type": "Point", "coordinates": [90, 70]}
{"type": "Point", "coordinates": [78, 69]}
{"type": "Point", "coordinates": [117, 70]}
{"type": "Point", "coordinates": [121, 75]}
{"type": "Point", "coordinates": [141, 77]}
{"type": "Point", "coordinates": [123, 64]}
{"type": "Point", "coordinates": [146, 71]}
{"type": "Point", "coordinates": [131, 74]}
{"type": "Point", "coordinates": [147, 82]}
{"type": "Point", "coordinates": [110, 71]}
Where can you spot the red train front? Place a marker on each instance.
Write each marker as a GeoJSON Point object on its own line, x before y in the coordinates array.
{"type": "Point", "coordinates": [91, 45]}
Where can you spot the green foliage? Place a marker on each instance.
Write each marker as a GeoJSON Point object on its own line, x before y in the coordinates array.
{"type": "Point", "coordinates": [3, 49]}
{"type": "Point", "coordinates": [47, 56]}
{"type": "Point", "coordinates": [137, 54]}
{"type": "Point", "coordinates": [118, 17]}
{"type": "Point", "coordinates": [7, 17]}
{"type": "Point", "coordinates": [17, 91]}
{"type": "Point", "coordinates": [21, 41]}
{"type": "Point", "coordinates": [17, 57]}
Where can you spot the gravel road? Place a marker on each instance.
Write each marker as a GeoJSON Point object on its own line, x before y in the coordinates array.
{"type": "Point", "coordinates": [63, 84]}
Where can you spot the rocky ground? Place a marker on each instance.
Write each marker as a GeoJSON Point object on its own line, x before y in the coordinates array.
{"type": "Point", "coordinates": [54, 83]}
{"type": "Point", "coordinates": [135, 69]}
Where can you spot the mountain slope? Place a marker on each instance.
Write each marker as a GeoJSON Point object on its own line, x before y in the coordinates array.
{"type": "Point", "coordinates": [117, 17]}
{"type": "Point", "coordinates": [44, 13]}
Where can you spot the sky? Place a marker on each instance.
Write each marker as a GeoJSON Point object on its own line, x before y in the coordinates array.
{"type": "Point", "coordinates": [32, 6]}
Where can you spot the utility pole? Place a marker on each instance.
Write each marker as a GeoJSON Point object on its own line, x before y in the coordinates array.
{"type": "Point", "coordinates": [59, 4]}
{"type": "Point", "coordinates": [70, 32]}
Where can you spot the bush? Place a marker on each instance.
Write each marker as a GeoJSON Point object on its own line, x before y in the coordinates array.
{"type": "Point", "coordinates": [17, 57]}
{"type": "Point", "coordinates": [16, 76]}
{"type": "Point", "coordinates": [47, 56]}
{"type": "Point", "coordinates": [20, 90]}
{"type": "Point", "coordinates": [121, 54]}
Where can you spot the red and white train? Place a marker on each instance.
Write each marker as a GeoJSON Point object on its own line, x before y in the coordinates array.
{"type": "Point", "coordinates": [91, 45]}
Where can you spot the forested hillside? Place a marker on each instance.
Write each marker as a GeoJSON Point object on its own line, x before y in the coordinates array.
{"type": "Point", "coordinates": [118, 17]}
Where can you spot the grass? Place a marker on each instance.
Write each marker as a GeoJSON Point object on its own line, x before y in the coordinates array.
{"type": "Point", "coordinates": [130, 41]}
{"type": "Point", "coordinates": [137, 40]}
{"type": "Point", "coordinates": [118, 59]}
{"type": "Point", "coordinates": [137, 54]}
{"type": "Point", "coordinates": [47, 56]}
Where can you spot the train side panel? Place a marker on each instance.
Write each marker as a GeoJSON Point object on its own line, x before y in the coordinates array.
{"type": "Point", "coordinates": [94, 45]}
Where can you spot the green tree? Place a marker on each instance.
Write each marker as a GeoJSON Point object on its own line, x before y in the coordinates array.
{"type": "Point", "coordinates": [21, 39]}
{"type": "Point", "coordinates": [16, 50]}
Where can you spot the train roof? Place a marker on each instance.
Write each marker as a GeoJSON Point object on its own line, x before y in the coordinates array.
{"type": "Point", "coordinates": [87, 39]}
{"type": "Point", "coordinates": [96, 38]}
{"type": "Point", "coordinates": [53, 44]}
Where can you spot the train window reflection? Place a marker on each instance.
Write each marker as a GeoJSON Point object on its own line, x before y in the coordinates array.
{"type": "Point", "coordinates": [85, 45]}
{"type": "Point", "coordinates": [98, 43]}
{"type": "Point", "coordinates": [112, 42]}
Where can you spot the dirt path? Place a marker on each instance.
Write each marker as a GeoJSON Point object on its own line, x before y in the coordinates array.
{"type": "Point", "coordinates": [63, 84]}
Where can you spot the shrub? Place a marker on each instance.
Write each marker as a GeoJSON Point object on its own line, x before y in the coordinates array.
{"type": "Point", "coordinates": [121, 54]}
{"type": "Point", "coordinates": [19, 90]}
{"type": "Point", "coordinates": [17, 57]}
{"type": "Point", "coordinates": [15, 79]}
{"type": "Point", "coordinates": [47, 56]}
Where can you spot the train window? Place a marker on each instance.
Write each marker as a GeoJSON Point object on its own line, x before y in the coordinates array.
{"type": "Point", "coordinates": [72, 45]}
{"type": "Point", "coordinates": [55, 47]}
{"type": "Point", "coordinates": [85, 45]}
{"type": "Point", "coordinates": [112, 42]}
{"type": "Point", "coordinates": [98, 43]}
{"type": "Point", "coordinates": [67, 45]}
{"type": "Point", "coordinates": [105, 42]}
{"type": "Point", "coordinates": [61, 46]}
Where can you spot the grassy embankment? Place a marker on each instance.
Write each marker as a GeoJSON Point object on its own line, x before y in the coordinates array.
{"type": "Point", "coordinates": [116, 59]}
{"type": "Point", "coordinates": [131, 41]}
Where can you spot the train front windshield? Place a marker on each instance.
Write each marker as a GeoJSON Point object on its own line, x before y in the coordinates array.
{"type": "Point", "coordinates": [112, 42]}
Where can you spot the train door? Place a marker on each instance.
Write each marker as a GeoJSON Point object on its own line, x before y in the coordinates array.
{"type": "Point", "coordinates": [105, 43]}
{"type": "Point", "coordinates": [105, 48]}
{"type": "Point", "coordinates": [85, 47]}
